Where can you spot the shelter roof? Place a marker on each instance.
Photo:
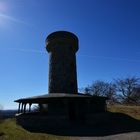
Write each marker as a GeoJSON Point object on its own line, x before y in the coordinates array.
{"type": "Point", "coordinates": [52, 96]}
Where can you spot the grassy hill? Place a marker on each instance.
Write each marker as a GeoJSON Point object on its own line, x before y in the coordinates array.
{"type": "Point", "coordinates": [133, 111]}
{"type": "Point", "coordinates": [10, 131]}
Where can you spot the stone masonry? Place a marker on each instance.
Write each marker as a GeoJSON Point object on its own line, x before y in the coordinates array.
{"type": "Point", "coordinates": [62, 47]}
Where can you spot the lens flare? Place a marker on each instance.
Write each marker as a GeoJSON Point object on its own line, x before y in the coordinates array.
{"type": "Point", "coordinates": [3, 7]}
{"type": "Point", "coordinates": [3, 10]}
{"type": "Point", "coordinates": [6, 18]}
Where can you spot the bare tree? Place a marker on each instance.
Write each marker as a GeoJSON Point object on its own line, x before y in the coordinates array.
{"type": "Point", "coordinates": [122, 90]}
{"type": "Point", "coordinates": [136, 95]}
{"type": "Point", "coordinates": [126, 89]}
{"type": "Point", "coordinates": [101, 88]}
{"type": "Point", "coordinates": [111, 94]}
{"type": "Point", "coordinates": [40, 108]}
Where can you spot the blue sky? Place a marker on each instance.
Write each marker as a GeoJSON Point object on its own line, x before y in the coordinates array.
{"type": "Point", "coordinates": [109, 42]}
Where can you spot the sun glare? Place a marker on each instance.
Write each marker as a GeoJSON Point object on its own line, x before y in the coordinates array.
{"type": "Point", "coordinates": [3, 7]}
{"type": "Point", "coordinates": [3, 10]}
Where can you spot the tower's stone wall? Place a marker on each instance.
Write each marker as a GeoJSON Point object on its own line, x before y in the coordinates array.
{"type": "Point", "coordinates": [62, 47]}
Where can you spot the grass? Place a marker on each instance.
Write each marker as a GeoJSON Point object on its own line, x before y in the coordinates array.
{"type": "Point", "coordinates": [133, 111]}
{"type": "Point", "coordinates": [10, 131]}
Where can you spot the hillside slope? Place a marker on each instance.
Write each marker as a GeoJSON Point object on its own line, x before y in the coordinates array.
{"type": "Point", "coordinates": [10, 131]}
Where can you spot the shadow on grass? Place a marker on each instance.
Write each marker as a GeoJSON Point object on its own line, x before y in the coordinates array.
{"type": "Point", "coordinates": [1, 134]}
{"type": "Point", "coordinates": [116, 124]}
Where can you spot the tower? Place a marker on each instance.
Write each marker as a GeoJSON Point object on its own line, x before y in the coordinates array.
{"type": "Point", "coordinates": [62, 47]}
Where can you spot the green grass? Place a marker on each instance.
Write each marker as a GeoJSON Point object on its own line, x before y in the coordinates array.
{"type": "Point", "coordinates": [11, 131]}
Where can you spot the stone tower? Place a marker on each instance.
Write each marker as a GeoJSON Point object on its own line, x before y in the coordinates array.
{"type": "Point", "coordinates": [62, 47]}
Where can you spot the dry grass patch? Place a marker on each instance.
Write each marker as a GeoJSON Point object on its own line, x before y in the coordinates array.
{"type": "Point", "coordinates": [11, 131]}
{"type": "Point", "coordinates": [133, 111]}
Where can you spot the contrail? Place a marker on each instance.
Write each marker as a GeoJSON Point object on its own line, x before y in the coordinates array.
{"type": "Point", "coordinates": [81, 55]}
{"type": "Point", "coordinates": [111, 58]}
{"type": "Point", "coordinates": [12, 19]}
{"type": "Point", "coordinates": [27, 50]}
